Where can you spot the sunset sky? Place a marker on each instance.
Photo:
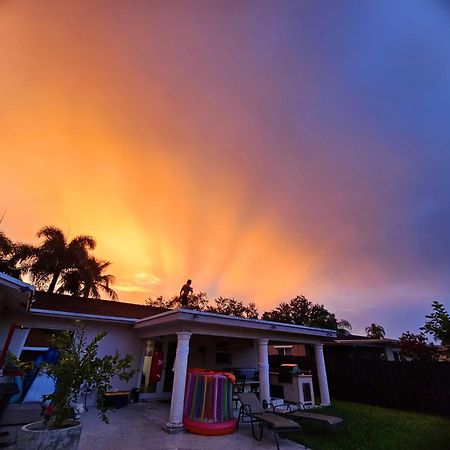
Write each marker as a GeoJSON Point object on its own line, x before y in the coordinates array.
{"type": "Point", "coordinates": [265, 149]}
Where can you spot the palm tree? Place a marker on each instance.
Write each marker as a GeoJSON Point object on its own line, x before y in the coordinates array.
{"type": "Point", "coordinates": [88, 279]}
{"type": "Point", "coordinates": [14, 256]}
{"type": "Point", "coordinates": [95, 280]}
{"type": "Point", "coordinates": [6, 252]}
{"type": "Point", "coordinates": [344, 327]}
{"type": "Point", "coordinates": [375, 331]}
{"type": "Point", "coordinates": [55, 256]}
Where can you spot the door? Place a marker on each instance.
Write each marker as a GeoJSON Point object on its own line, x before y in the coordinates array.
{"type": "Point", "coordinates": [170, 360]}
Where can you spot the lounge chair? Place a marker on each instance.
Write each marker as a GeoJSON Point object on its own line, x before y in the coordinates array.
{"type": "Point", "coordinates": [238, 388]}
{"type": "Point", "coordinates": [252, 411]}
{"type": "Point", "coordinates": [297, 411]}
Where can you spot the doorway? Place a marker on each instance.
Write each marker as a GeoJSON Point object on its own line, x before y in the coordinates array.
{"type": "Point", "coordinates": [170, 360]}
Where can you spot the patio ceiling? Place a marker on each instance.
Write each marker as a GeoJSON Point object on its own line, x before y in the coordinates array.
{"type": "Point", "coordinates": [199, 322]}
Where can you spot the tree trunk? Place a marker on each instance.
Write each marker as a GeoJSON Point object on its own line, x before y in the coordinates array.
{"type": "Point", "coordinates": [52, 286]}
{"type": "Point", "coordinates": [86, 291]}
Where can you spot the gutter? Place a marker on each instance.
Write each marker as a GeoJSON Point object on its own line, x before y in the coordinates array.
{"type": "Point", "coordinates": [74, 315]}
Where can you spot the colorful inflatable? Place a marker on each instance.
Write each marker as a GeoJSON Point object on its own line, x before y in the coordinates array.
{"type": "Point", "coordinates": [208, 402]}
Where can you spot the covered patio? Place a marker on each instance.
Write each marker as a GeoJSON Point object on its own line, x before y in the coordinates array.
{"type": "Point", "coordinates": [140, 426]}
{"type": "Point", "coordinates": [197, 339]}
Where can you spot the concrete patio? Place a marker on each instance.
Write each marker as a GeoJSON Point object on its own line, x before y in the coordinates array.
{"type": "Point", "coordinates": [140, 426]}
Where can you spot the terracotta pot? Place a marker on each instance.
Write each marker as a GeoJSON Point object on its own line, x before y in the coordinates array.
{"type": "Point", "coordinates": [37, 437]}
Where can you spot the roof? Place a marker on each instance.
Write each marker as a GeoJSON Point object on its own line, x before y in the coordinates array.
{"type": "Point", "coordinates": [10, 281]}
{"type": "Point", "coordinates": [49, 302]}
{"type": "Point", "coordinates": [14, 293]}
{"type": "Point", "coordinates": [201, 322]}
{"type": "Point", "coordinates": [365, 342]}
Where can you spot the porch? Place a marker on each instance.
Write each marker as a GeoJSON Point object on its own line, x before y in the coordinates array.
{"type": "Point", "coordinates": [144, 424]}
{"type": "Point", "coordinates": [193, 339]}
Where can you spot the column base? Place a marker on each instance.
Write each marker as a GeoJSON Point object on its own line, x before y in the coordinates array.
{"type": "Point", "coordinates": [325, 404]}
{"type": "Point", "coordinates": [173, 428]}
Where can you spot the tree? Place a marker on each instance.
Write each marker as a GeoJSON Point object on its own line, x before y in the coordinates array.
{"type": "Point", "coordinates": [438, 323]}
{"type": "Point", "coordinates": [158, 302]}
{"type": "Point", "coordinates": [14, 256]}
{"type": "Point", "coordinates": [88, 279]}
{"type": "Point", "coordinates": [6, 255]}
{"type": "Point", "coordinates": [78, 363]}
{"type": "Point", "coordinates": [375, 331]}
{"type": "Point", "coordinates": [296, 311]}
{"type": "Point", "coordinates": [301, 311]}
{"type": "Point", "coordinates": [344, 327]}
{"type": "Point", "coordinates": [416, 347]}
{"type": "Point", "coordinates": [199, 302]}
{"type": "Point", "coordinates": [55, 256]}
{"type": "Point", "coordinates": [233, 307]}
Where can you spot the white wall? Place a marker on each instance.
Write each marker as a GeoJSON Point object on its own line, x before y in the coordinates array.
{"type": "Point", "coordinates": [120, 337]}
{"type": "Point", "coordinates": [243, 352]}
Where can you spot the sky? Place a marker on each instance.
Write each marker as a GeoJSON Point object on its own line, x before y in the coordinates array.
{"type": "Point", "coordinates": [264, 149]}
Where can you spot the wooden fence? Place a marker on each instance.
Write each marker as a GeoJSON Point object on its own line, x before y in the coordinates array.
{"type": "Point", "coordinates": [422, 387]}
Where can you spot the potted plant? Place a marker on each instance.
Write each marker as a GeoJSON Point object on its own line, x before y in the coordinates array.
{"type": "Point", "coordinates": [76, 363]}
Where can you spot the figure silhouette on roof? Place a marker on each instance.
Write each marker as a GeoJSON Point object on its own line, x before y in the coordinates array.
{"type": "Point", "coordinates": [184, 294]}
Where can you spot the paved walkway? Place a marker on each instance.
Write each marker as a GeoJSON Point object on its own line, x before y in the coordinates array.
{"type": "Point", "coordinates": [140, 427]}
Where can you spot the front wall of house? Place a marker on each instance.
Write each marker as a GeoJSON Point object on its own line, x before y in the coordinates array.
{"type": "Point", "coordinates": [211, 352]}
{"type": "Point", "coordinates": [120, 337]}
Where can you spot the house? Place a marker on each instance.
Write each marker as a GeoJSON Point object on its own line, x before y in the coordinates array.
{"type": "Point", "coordinates": [362, 347]}
{"type": "Point", "coordinates": [287, 350]}
{"type": "Point", "coordinates": [171, 340]}
{"type": "Point", "coordinates": [347, 347]}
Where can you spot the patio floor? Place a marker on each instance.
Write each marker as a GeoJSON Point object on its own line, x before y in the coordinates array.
{"type": "Point", "coordinates": [140, 426]}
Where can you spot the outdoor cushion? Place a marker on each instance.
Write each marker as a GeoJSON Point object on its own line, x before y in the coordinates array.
{"type": "Point", "coordinates": [331, 420]}
{"type": "Point", "coordinates": [281, 424]}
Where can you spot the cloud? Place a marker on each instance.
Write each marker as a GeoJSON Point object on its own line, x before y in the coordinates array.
{"type": "Point", "coordinates": [262, 150]}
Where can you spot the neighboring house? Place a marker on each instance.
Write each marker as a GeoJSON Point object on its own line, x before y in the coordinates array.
{"type": "Point", "coordinates": [361, 347]}
{"type": "Point", "coordinates": [177, 339]}
{"type": "Point", "coordinates": [287, 350]}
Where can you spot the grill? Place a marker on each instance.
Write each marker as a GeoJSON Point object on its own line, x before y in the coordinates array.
{"type": "Point", "coordinates": [287, 371]}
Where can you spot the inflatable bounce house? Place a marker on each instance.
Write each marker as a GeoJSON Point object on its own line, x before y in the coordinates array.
{"type": "Point", "coordinates": [208, 402]}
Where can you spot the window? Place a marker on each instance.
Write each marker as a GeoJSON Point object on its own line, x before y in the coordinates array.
{"type": "Point", "coordinates": [223, 353]}
{"type": "Point", "coordinates": [284, 350]}
{"type": "Point", "coordinates": [37, 343]}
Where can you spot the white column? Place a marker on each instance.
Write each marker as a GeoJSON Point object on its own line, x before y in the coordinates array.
{"type": "Point", "coordinates": [179, 381]}
{"type": "Point", "coordinates": [263, 370]}
{"type": "Point", "coordinates": [322, 375]}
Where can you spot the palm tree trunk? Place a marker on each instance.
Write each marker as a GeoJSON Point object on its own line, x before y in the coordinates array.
{"type": "Point", "coordinates": [52, 286]}
{"type": "Point", "coordinates": [86, 291]}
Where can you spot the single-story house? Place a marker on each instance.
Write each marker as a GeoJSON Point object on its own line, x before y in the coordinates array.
{"type": "Point", "coordinates": [362, 347]}
{"type": "Point", "coordinates": [164, 343]}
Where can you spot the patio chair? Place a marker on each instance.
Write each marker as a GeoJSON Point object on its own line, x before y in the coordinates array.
{"type": "Point", "coordinates": [252, 411]}
{"type": "Point", "coordinates": [297, 411]}
{"type": "Point", "coordinates": [238, 388]}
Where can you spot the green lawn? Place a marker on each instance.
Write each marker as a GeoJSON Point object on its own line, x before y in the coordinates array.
{"type": "Point", "coordinates": [373, 428]}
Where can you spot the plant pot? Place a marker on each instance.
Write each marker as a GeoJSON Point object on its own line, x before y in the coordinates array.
{"type": "Point", "coordinates": [37, 437]}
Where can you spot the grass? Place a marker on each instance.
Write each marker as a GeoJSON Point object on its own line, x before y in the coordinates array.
{"type": "Point", "coordinates": [372, 428]}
